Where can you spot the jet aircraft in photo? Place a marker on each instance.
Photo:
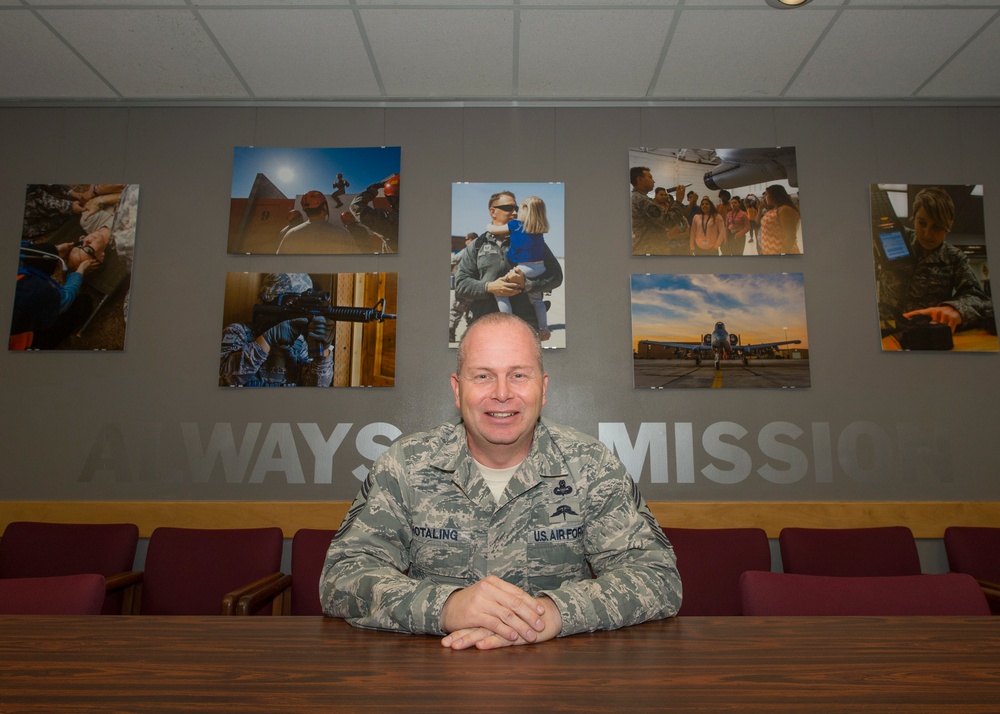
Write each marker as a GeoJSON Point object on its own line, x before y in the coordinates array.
{"type": "Point", "coordinates": [723, 344]}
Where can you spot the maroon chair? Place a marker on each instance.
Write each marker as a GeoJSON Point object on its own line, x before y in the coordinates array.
{"type": "Point", "coordinates": [765, 594]}
{"type": "Point", "coordinates": [309, 547]}
{"type": "Point", "coordinates": [56, 595]}
{"type": "Point", "coordinates": [710, 562]}
{"type": "Point", "coordinates": [854, 552]}
{"type": "Point", "coordinates": [976, 552]}
{"type": "Point", "coordinates": [30, 549]}
{"type": "Point", "coordinates": [201, 571]}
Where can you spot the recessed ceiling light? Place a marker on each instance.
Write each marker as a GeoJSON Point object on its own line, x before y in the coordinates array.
{"type": "Point", "coordinates": [786, 4]}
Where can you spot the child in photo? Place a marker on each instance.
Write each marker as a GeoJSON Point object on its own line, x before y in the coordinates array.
{"type": "Point", "coordinates": [526, 253]}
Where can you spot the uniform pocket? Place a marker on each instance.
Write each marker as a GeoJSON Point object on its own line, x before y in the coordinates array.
{"type": "Point", "coordinates": [551, 564]}
{"type": "Point", "coordinates": [442, 561]}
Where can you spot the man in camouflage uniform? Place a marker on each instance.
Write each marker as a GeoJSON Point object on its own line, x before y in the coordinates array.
{"type": "Point", "coordinates": [483, 267]}
{"type": "Point", "coordinates": [649, 234]}
{"type": "Point", "coordinates": [279, 355]}
{"type": "Point", "coordinates": [939, 281]}
{"type": "Point", "coordinates": [487, 530]}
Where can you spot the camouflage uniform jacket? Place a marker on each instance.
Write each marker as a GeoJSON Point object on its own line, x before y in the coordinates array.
{"type": "Point", "coordinates": [485, 260]}
{"type": "Point", "coordinates": [649, 233]}
{"type": "Point", "coordinates": [942, 276]}
{"type": "Point", "coordinates": [425, 524]}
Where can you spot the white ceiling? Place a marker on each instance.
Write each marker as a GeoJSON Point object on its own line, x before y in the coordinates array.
{"type": "Point", "coordinates": [531, 51]}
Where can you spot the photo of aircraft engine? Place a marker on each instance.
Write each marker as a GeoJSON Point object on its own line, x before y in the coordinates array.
{"type": "Point", "coordinates": [743, 167]}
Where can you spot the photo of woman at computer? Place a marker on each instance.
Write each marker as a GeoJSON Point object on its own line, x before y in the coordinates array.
{"type": "Point", "coordinates": [931, 268]}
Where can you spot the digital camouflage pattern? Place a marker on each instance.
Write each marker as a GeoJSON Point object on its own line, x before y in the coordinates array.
{"type": "Point", "coordinates": [649, 234]}
{"type": "Point", "coordinates": [425, 524]}
{"type": "Point", "coordinates": [46, 207]}
{"type": "Point", "coordinates": [942, 276]}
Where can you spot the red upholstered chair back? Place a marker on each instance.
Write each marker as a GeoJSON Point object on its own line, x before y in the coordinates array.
{"type": "Point", "coordinates": [710, 562]}
{"type": "Point", "coordinates": [309, 547]}
{"type": "Point", "coordinates": [766, 594]}
{"type": "Point", "coordinates": [57, 595]}
{"type": "Point", "coordinates": [889, 550]}
{"type": "Point", "coordinates": [975, 551]}
{"type": "Point", "coordinates": [35, 550]}
{"type": "Point", "coordinates": [189, 570]}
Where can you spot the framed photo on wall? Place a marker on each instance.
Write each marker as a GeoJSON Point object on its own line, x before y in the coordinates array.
{"type": "Point", "coordinates": [740, 331]}
{"type": "Point", "coordinates": [297, 201]}
{"type": "Point", "coordinates": [508, 253]}
{"type": "Point", "coordinates": [74, 270]}
{"type": "Point", "coordinates": [715, 202]}
{"type": "Point", "coordinates": [309, 330]}
{"type": "Point", "coordinates": [931, 270]}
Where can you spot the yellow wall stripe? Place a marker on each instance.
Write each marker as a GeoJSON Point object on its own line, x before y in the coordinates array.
{"type": "Point", "coordinates": [926, 519]}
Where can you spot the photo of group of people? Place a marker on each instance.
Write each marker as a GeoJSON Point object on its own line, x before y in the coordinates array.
{"type": "Point", "coordinates": [508, 255]}
{"type": "Point", "coordinates": [74, 269]}
{"type": "Point", "coordinates": [299, 201]}
{"type": "Point", "coordinates": [715, 202]}
{"type": "Point", "coordinates": [931, 270]}
{"type": "Point", "coordinates": [309, 330]}
{"type": "Point", "coordinates": [719, 331]}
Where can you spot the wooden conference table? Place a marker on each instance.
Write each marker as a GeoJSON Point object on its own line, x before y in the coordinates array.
{"type": "Point", "coordinates": [305, 664]}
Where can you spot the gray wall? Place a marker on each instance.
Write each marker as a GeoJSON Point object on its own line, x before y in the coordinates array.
{"type": "Point", "coordinates": [873, 426]}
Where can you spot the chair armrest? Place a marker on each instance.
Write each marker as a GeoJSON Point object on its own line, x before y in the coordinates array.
{"type": "Point", "coordinates": [122, 580]}
{"type": "Point", "coordinates": [131, 583]}
{"type": "Point", "coordinates": [274, 590]}
{"type": "Point", "coordinates": [250, 592]}
{"type": "Point", "coordinates": [992, 593]}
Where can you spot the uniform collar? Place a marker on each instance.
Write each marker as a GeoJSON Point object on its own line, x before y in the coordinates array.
{"type": "Point", "coordinates": [544, 460]}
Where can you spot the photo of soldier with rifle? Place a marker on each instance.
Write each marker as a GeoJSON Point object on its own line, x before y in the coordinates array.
{"type": "Point", "coordinates": [297, 329]}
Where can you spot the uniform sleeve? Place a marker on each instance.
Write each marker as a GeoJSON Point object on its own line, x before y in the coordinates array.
{"type": "Point", "coordinates": [636, 573]}
{"type": "Point", "coordinates": [69, 291]}
{"type": "Point", "coordinates": [469, 285]}
{"type": "Point", "coordinates": [240, 357]}
{"type": "Point", "coordinates": [365, 577]}
{"type": "Point", "coordinates": [972, 303]}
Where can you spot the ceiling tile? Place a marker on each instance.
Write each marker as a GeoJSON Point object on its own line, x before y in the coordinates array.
{"type": "Point", "coordinates": [732, 53]}
{"type": "Point", "coordinates": [160, 53]}
{"type": "Point", "coordinates": [582, 53]}
{"type": "Point", "coordinates": [23, 41]}
{"type": "Point", "coordinates": [966, 74]}
{"type": "Point", "coordinates": [323, 58]}
{"type": "Point", "coordinates": [442, 53]}
{"type": "Point", "coordinates": [880, 53]}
